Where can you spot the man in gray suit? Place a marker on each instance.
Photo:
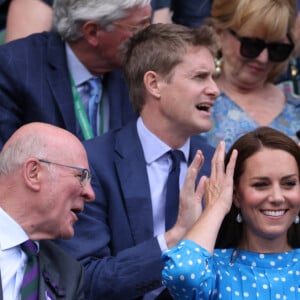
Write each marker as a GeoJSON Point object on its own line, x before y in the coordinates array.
{"type": "Point", "coordinates": [43, 186]}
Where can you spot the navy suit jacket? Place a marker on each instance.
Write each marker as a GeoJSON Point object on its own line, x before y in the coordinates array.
{"type": "Point", "coordinates": [61, 276]}
{"type": "Point", "coordinates": [35, 86]}
{"type": "Point", "coordinates": [114, 235]}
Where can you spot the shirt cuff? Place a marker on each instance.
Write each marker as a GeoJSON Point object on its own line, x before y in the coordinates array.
{"type": "Point", "coordinates": [162, 242]}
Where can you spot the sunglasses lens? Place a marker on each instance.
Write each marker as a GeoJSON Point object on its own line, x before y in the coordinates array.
{"type": "Point", "coordinates": [279, 52]}
{"type": "Point", "coordinates": [251, 48]}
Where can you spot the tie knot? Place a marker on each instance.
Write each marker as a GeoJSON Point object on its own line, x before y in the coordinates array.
{"type": "Point", "coordinates": [30, 248]}
{"type": "Point", "coordinates": [95, 88]}
{"type": "Point", "coordinates": [177, 156]}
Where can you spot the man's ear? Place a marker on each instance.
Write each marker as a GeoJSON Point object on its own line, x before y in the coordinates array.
{"type": "Point", "coordinates": [91, 31]}
{"type": "Point", "coordinates": [32, 174]}
{"type": "Point", "coordinates": [152, 82]}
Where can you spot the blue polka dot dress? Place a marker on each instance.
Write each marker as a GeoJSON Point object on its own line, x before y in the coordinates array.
{"type": "Point", "coordinates": [191, 272]}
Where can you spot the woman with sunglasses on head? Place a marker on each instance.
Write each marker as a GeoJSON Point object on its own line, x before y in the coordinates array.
{"type": "Point", "coordinates": [246, 244]}
{"type": "Point", "coordinates": [256, 43]}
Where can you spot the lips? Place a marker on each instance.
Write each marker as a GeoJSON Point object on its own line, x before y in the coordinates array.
{"type": "Point", "coordinates": [204, 106]}
{"type": "Point", "coordinates": [76, 211]}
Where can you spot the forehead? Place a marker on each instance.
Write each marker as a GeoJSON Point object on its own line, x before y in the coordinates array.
{"type": "Point", "coordinates": [196, 57]}
{"type": "Point", "coordinates": [271, 162]}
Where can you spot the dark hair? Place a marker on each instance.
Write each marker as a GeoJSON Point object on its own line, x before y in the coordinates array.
{"type": "Point", "coordinates": [231, 232]}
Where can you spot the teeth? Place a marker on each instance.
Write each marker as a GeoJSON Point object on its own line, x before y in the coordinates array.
{"type": "Point", "coordinates": [203, 107]}
{"type": "Point", "coordinates": [274, 213]}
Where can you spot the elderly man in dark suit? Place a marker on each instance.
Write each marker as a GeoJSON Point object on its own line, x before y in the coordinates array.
{"type": "Point", "coordinates": [120, 237]}
{"type": "Point", "coordinates": [52, 77]}
{"type": "Point", "coordinates": [43, 186]}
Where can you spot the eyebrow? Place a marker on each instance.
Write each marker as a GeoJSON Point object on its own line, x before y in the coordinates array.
{"type": "Point", "coordinates": [267, 178]}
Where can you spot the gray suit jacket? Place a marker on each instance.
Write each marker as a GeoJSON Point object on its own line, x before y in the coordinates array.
{"type": "Point", "coordinates": [61, 277]}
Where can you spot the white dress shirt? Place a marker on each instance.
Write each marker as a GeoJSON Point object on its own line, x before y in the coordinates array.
{"type": "Point", "coordinates": [12, 258]}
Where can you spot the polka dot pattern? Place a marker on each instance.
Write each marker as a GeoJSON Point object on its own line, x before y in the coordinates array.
{"type": "Point", "coordinates": [190, 272]}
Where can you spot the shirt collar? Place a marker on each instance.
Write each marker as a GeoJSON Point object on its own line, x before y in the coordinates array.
{"type": "Point", "coordinates": [153, 147]}
{"type": "Point", "coordinates": [12, 234]}
{"type": "Point", "coordinates": [79, 72]}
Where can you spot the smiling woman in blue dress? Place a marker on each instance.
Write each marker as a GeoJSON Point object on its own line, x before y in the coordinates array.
{"type": "Point", "coordinates": [252, 210]}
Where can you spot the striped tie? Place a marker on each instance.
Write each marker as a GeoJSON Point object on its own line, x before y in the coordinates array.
{"type": "Point", "coordinates": [95, 85]}
{"type": "Point", "coordinates": [29, 288]}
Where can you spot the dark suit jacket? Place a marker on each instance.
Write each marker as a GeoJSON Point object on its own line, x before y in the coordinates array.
{"type": "Point", "coordinates": [35, 86]}
{"type": "Point", "coordinates": [61, 277]}
{"type": "Point", "coordinates": [114, 235]}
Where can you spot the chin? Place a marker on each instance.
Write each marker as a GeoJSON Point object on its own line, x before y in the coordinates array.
{"type": "Point", "coordinates": [66, 235]}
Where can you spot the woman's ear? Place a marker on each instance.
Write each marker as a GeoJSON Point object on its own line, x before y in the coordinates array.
{"type": "Point", "coordinates": [236, 198]}
{"type": "Point", "coordinates": [31, 174]}
{"type": "Point", "coordinates": [152, 82]}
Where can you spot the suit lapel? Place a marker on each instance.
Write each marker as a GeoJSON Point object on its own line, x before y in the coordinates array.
{"type": "Point", "coordinates": [131, 169]}
{"type": "Point", "coordinates": [49, 286]}
{"type": "Point", "coordinates": [59, 81]}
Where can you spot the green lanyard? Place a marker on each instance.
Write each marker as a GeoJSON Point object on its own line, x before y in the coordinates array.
{"type": "Point", "coordinates": [81, 113]}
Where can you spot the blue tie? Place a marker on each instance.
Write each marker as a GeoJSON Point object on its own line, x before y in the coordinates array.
{"type": "Point", "coordinates": [172, 196]}
{"type": "Point", "coordinates": [95, 91]}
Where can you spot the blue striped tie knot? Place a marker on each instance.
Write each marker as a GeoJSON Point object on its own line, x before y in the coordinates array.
{"type": "Point", "coordinates": [95, 91]}
{"type": "Point", "coordinates": [30, 283]}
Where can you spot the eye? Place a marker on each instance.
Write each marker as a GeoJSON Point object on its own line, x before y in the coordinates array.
{"type": "Point", "coordinates": [79, 176]}
{"type": "Point", "coordinates": [290, 183]}
{"type": "Point", "coordinates": [260, 184]}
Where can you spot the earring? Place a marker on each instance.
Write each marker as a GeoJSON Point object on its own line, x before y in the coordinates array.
{"type": "Point", "coordinates": [218, 63]}
{"type": "Point", "coordinates": [297, 220]}
{"type": "Point", "coordinates": [239, 218]}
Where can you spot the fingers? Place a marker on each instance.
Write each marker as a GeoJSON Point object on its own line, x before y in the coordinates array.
{"type": "Point", "coordinates": [200, 189]}
{"type": "Point", "coordinates": [217, 164]}
{"type": "Point", "coordinates": [192, 172]}
{"type": "Point", "coordinates": [231, 164]}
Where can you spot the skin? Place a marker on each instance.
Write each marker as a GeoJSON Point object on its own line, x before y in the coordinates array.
{"type": "Point", "coordinates": [98, 50]}
{"type": "Point", "coordinates": [45, 199]}
{"type": "Point", "coordinates": [245, 80]}
{"type": "Point", "coordinates": [26, 17]}
{"type": "Point", "coordinates": [270, 184]}
{"type": "Point", "coordinates": [268, 195]}
{"type": "Point", "coordinates": [174, 102]}
{"type": "Point", "coordinates": [171, 113]}
{"type": "Point", "coordinates": [245, 73]}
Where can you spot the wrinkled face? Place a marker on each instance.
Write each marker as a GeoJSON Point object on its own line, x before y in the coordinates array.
{"type": "Point", "coordinates": [245, 72]}
{"type": "Point", "coordinates": [187, 98]}
{"type": "Point", "coordinates": [65, 196]}
{"type": "Point", "coordinates": [121, 30]}
{"type": "Point", "coordinates": [268, 194]}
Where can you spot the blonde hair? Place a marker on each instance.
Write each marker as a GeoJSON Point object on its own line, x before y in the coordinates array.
{"type": "Point", "coordinates": [274, 18]}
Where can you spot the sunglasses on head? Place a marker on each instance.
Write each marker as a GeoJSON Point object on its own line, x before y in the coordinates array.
{"type": "Point", "coordinates": [252, 47]}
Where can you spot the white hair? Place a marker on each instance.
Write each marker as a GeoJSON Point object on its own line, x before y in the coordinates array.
{"type": "Point", "coordinates": [69, 15]}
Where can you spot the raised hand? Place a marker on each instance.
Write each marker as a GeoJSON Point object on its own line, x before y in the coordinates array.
{"type": "Point", "coordinates": [190, 202]}
{"type": "Point", "coordinates": [218, 199]}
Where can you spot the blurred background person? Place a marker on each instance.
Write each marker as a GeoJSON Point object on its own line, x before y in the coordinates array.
{"type": "Point", "coordinates": [28, 16]}
{"type": "Point", "coordinates": [254, 51]}
{"type": "Point", "coordinates": [191, 13]}
{"type": "Point", "coordinates": [71, 77]}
